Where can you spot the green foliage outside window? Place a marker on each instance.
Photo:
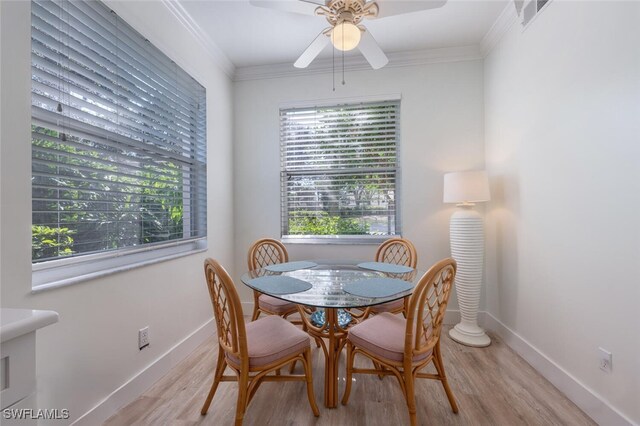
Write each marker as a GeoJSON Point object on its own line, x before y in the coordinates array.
{"type": "Point", "coordinates": [323, 224]}
{"type": "Point", "coordinates": [93, 204]}
{"type": "Point", "coordinates": [51, 242]}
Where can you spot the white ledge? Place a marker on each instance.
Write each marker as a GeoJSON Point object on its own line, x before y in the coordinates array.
{"type": "Point", "coordinates": [18, 322]}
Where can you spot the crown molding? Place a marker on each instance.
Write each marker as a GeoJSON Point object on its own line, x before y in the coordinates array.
{"type": "Point", "coordinates": [499, 28]}
{"type": "Point", "coordinates": [358, 63]}
{"type": "Point", "coordinates": [217, 54]}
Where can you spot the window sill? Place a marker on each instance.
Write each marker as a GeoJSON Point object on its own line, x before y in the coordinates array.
{"type": "Point", "coordinates": [66, 272]}
{"type": "Point", "coordinates": [336, 239]}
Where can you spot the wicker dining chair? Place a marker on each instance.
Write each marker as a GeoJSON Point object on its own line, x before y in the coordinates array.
{"type": "Point", "coordinates": [265, 252]}
{"type": "Point", "coordinates": [253, 350]}
{"type": "Point", "coordinates": [398, 251]}
{"type": "Point", "coordinates": [402, 347]}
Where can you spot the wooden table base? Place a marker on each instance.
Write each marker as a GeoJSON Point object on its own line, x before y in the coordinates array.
{"type": "Point", "coordinates": [336, 338]}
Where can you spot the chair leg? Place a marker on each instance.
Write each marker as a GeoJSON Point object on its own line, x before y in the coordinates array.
{"type": "Point", "coordinates": [256, 311]}
{"type": "Point", "coordinates": [309, 378]}
{"type": "Point", "coordinates": [349, 368]}
{"type": "Point", "coordinates": [437, 361]}
{"type": "Point", "coordinates": [411, 396]}
{"type": "Point", "coordinates": [366, 314]}
{"type": "Point", "coordinates": [292, 367]}
{"type": "Point", "coordinates": [306, 330]}
{"type": "Point", "coordinates": [241, 406]}
{"type": "Point", "coordinates": [220, 367]}
{"type": "Point", "coordinates": [256, 382]}
{"type": "Point", "coordinates": [378, 366]}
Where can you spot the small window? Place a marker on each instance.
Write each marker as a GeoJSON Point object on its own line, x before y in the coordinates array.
{"type": "Point", "coordinates": [340, 172]}
{"type": "Point", "coordinates": [118, 145]}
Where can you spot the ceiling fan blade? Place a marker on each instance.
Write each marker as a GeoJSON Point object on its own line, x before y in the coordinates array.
{"type": "Point", "coordinates": [371, 51]}
{"type": "Point", "coordinates": [399, 7]}
{"type": "Point", "coordinates": [312, 51]}
{"type": "Point", "coordinates": [306, 7]}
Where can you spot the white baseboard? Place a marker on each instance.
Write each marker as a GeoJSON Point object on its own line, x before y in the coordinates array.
{"type": "Point", "coordinates": [136, 386]}
{"type": "Point", "coordinates": [452, 317]}
{"type": "Point", "coordinates": [586, 399]}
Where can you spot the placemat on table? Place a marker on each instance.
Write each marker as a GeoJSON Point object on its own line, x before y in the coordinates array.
{"type": "Point", "coordinates": [278, 284]}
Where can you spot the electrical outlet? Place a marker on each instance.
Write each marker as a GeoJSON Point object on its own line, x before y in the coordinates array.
{"type": "Point", "coordinates": [143, 338]}
{"type": "Point", "coordinates": [605, 360]}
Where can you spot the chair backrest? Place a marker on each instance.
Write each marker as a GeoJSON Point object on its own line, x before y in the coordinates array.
{"type": "Point", "coordinates": [227, 310]}
{"type": "Point", "coordinates": [399, 251]}
{"type": "Point", "coordinates": [427, 307]}
{"type": "Point", "coordinates": [265, 252]}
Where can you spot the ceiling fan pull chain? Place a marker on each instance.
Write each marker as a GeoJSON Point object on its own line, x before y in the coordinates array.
{"type": "Point", "coordinates": [343, 82]}
{"type": "Point", "coordinates": [333, 67]}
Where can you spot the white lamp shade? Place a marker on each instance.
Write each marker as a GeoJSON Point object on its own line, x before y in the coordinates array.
{"type": "Point", "coordinates": [466, 187]}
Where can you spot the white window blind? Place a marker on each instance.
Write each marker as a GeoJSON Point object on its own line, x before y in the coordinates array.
{"type": "Point", "coordinates": [118, 137]}
{"type": "Point", "coordinates": [340, 171]}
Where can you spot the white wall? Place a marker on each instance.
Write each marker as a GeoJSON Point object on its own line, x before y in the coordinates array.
{"type": "Point", "coordinates": [441, 130]}
{"type": "Point", "coordinates": [93, 349]}
{"type": "Point", "coordinates": [562, 105]}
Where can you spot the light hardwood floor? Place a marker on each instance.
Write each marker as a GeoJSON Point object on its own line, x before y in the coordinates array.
{"type": "Point", "coordinates": [493, 386]}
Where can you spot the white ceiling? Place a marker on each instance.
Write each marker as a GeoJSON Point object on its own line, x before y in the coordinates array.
{"type": "Point", "coordinates": [251, 35]}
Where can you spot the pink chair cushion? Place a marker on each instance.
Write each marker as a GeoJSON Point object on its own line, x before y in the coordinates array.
{"type": "Point", "coordinates": [394, 306]}
{"type": "Point", "coordinates": [272, 338]}
{"type": "Point", "coordinates": [273, 304]}
{"type": "Point", "coordinates": [382, 335]}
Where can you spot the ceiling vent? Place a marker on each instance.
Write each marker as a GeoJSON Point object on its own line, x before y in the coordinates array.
{"type": "Point", "coordinates": [528, 9]}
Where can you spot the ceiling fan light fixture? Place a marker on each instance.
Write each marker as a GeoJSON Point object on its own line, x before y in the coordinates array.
{"type": "Point", "coordinates": [345, 36]}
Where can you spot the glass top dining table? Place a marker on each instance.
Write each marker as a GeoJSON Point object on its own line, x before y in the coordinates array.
{"type": "Point", "coordinates": [328, 279]}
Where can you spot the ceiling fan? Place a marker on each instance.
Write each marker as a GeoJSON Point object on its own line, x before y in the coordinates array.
{"type": "Point", "coordinates": [346, 31]}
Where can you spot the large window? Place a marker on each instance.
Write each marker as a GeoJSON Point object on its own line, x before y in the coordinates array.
{"type": "Point", "coordinates": [118, 144]}
{"type": "Point", "coordinates": [340, 172]}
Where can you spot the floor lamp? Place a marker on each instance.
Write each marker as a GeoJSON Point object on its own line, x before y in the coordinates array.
{"type": "Point", "coordinates": [467, 248]}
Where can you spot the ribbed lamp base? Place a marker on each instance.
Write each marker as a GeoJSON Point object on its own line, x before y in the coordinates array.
{"type": "Point", "coordinates": [476, 338]}
{"type": "Point", "coordinates": [467, 248]}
